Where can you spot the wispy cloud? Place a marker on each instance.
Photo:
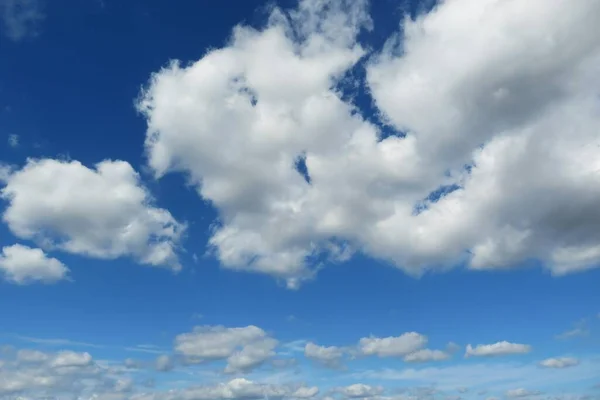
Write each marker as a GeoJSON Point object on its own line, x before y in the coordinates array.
{"type": "Point", "coordinates": [13, 140]}
{"type": "Point", "coordinates": [581, 329]}
{"type": "Point", "coordinates": [21, 18]}
{"type": "Point", "coordinates": [54, 342]}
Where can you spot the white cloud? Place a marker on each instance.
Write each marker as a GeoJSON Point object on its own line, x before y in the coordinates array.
{"type": "Point", "coordinates": [71, 359]}
{"type": "Point", "coordinates": [330, 356]}
{"type": "Point", "coordinates": [244, 348]}
{"type": "Point", "coordinates": [426, 355]}
{"type": "Point", "coordinates": [392, 346]}
{"type": "Point", "coordinates": [305, 392]}
{"type": "Point", "coordinates": [360, 390]}
{"type": "Point", "coordinates": [521, 393]}
{"type": "Point", "coordinates": [23, 265]}
{"type": "Point", "coordinates": [237, 128]}
{"type": "Point", "coordinates": [562, 362]}
{"type": "Point", "coordinates": [20, 18]}
{"type": "Point", "coordinates": [103, 212]}
{"type": "Point", "coordinates": [497, 349]}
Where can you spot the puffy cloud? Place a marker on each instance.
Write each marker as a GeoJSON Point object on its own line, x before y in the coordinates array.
{"type": "Point", "coordinates": [563, 362]}
{"type": "Point", "coordinates": [244, 348]}
{"type": "Point", "coordinates": [500, 100]}
{"type": "Point", "coordinates": [103, 212]}
{"type": "Point", "coordinates": [330, 356]}
{"type": "Point", "coordinates": [521, 393]}
{"type": "Point", "coordinates": [497, 349]}
{"type": "Point", "coordinates": [71, 359]}
{"type": "Point", "coordinates": [23, 265]}
{"type": "Point", "coordinates": [425, 355]}
{"type": "Point", "coordinates": [360, 390]}
{"type": "Point", "coordinates": [305, 392]}
{"type": "Point", "coordinates": [393, 346]}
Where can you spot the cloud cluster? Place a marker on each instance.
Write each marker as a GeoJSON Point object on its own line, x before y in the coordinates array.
{"type": "Point", "coordinates": [297, 173]}
{"type": "Point", "coordinates": [243, 348]}
{"type": "Point", "coordinates": [104, 212]}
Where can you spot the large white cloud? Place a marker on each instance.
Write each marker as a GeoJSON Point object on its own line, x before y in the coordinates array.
{"type": "Point", "coordinates": [103, 212]}
{"type": "Point", "coordinates": [505, 87]}
{"type": "Point", "coordinates": [22, 265]}
{"type": "Point", "coordinates": [244, 348]}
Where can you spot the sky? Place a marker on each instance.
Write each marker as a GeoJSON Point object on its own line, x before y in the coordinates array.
{"type": "Point", "coordinates": [313, 199]}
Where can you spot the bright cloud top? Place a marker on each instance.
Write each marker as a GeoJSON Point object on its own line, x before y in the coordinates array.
{"type": "Point", "coordinates": [103, 212]}
{"type": "Point", "coordinates": [240, 120]}
{"type": "Point", "coordinates": [23, 265]}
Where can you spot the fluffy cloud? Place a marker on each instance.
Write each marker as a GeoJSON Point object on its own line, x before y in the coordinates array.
{"type": "Point", "coordinates": [497, 349]}
{"type": "Point", "coordinates": [330, 356]}
{"type": "Point", "coordinates": [103, 212]}
{"type": "Point", "coordinates": [239, 121]}
{"type": "Point", "coordinates": [425, 355]}
{"type": "Point", "coordinates": [563, 362]}
{"type": "Point", "coordinates": [392, 346]}
{"type": "Point", "coordinates": [22, 265]}
{"type": "Point", "coordinates": [360, 390]}
{"type": "Point", "coordinates": [71, 359]}
{"type": "Point", "coordinates": [244, 348]}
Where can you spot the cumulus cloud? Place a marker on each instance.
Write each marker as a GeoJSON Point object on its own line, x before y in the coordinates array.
{"type": "Point", "coordinates": [329, 356]}
{"type": "Point", "coordinates": [393, 346]}
{"type": "Point", "coordinates": [20, 18]}
{"type": "Point", "coordinates": [244, 120]}
{"type": "Point", "coordinates": [563, 362]}
{"type": "Point", "coordinates": [244, 348]}
{"type": "Point", "coordinates": [23, 265]}
{"type": "Point", "coordinates": [103, 212]}
{"type": "Point", "coordinates": [360, 390]}
{"type": "Point", "coordinates": [497, 349]}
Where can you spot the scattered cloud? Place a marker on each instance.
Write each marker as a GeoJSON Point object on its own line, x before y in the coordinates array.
{"type": "Point", "coordinates": [497, 349]}
{"type": "Point", "coordinates": [243, 348]}
{"type": "Point", "coordinates": [106, 214]}
{"type": "Point", "coordinates": [21, 18]}
{"type": "Point", "coordinates": [360, 390]}
{"type": "Point", "coordinates": [397, 346]}
{"type": "Point", "coordinates": [330, 356]}
{"type": "Point", "coordinates": [425, 355]}
{"type": "Point", "coordinates": [24, 265]}
{"type": "Point", "coordinates": [563, 362]}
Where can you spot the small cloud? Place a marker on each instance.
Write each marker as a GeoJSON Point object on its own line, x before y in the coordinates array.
{"type": "Point", "coordinates": [197, 316]}
{"type": "Point", "coordinates": [291, 318]}
{"type": "Point", "coordinates": [580, 329]}
{"type": "Point", "coordinates": [497, 349]}
{"type": "Point", "coordinates": [518, 393]}
{"type": "Point", "coordinates": [21, 18]}
{"type": "Point", "coordinates": [563, 362]}
{"type": "Point", "coordinates": [13, 140]}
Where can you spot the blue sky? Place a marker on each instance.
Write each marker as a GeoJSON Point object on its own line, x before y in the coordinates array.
{"type": "Point", "coordinates": [160, 241]}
